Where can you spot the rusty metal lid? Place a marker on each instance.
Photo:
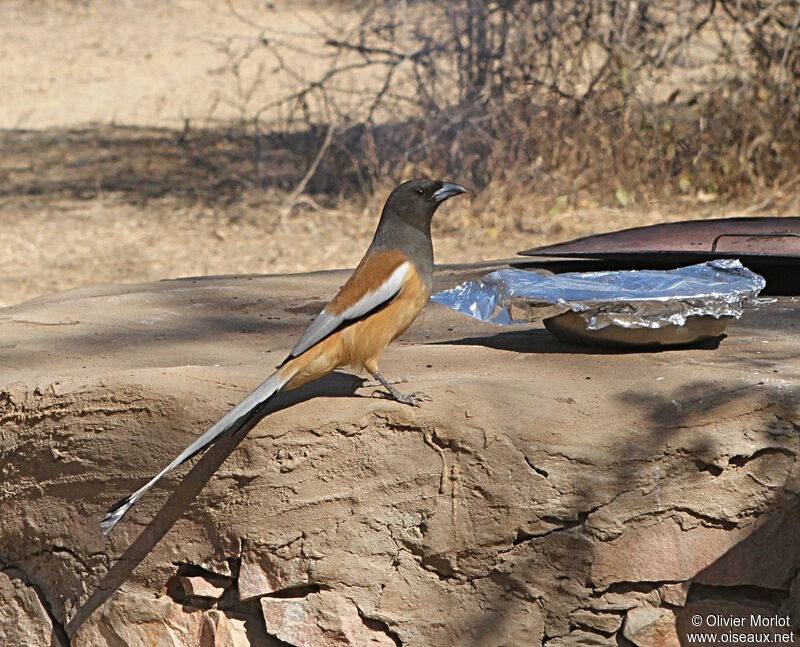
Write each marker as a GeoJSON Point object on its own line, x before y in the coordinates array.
{"type": "Point", "coordinates": [769, 246]}
{"type": "Point", "coordinates": [694, 240]}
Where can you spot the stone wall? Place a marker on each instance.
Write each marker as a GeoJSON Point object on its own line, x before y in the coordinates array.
{"type": "Point", "coordinates": [548, 495]}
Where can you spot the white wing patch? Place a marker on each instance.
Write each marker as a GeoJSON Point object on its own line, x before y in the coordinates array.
{"type": "Point", "coordinates": [325, 323]}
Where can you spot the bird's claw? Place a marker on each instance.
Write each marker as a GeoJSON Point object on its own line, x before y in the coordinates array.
{"type": "Point", "coordinates": [414, 399]}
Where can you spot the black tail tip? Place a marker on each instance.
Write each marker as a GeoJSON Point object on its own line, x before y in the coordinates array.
{"type": "Point", "coordinates": [119, 504]}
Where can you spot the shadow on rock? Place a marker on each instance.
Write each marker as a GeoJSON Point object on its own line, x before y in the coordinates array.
{"type": "Point", "coordinates": [334, 385]}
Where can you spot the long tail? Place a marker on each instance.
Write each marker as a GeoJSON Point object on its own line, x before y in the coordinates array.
{"type": "Point", "coordinates": [247, 411]}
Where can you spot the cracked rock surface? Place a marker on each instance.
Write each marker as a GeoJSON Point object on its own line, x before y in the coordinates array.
{"type": "Point", "coordinates": [550, 494]}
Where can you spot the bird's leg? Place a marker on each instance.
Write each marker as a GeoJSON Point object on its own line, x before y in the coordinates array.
{"type": "Point", "coordinates": [412, 399]}
{"type": "Point", "coordinates": [368, 384]}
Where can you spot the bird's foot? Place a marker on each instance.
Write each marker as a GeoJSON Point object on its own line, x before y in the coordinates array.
{"type": "Point", "coordinates": [412, 399]}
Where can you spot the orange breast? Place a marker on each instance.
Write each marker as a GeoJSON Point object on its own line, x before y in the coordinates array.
{"type": "Point", "coordinates": [364, 341]}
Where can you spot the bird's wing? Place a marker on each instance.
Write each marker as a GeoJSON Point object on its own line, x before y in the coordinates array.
{"type": "Point", "coordinates": [377, 280]}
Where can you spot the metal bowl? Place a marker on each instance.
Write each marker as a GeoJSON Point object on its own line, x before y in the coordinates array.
{"type": "Point", "coordinates": [571, 327]}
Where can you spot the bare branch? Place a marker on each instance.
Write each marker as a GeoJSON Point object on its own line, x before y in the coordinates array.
{"type": "Point", "coordinates": [298, 190]}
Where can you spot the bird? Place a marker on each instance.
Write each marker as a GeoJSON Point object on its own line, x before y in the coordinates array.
{"type": "Point", "coordinates": [376, 305]}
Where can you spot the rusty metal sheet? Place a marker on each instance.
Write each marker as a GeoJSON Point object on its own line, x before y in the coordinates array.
{"type": "Point", "coordinates": [691, 240]}
{"type": "Point", "coordinates": [769, 246]}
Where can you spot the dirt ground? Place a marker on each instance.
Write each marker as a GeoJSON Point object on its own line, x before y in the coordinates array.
{"type": "Point", "coordinates": [55, 241]}
{"type": "Point", "coordinates": [117, 167]}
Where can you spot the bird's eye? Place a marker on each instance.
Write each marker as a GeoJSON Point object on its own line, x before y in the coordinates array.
{"type": "Point", "coordinates": [420, 191]}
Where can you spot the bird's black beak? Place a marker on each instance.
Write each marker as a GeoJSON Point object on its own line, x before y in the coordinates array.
{"type": "Point", "coordinates": [448, 190]}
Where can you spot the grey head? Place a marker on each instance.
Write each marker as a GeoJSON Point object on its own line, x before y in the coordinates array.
{"type": "Point", "coordinates": [405, 223]}
{"type": "Point", "coordinates": [414, 202]}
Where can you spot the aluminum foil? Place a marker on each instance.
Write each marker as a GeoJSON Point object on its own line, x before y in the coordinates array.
{"type": "Point", "coordinates": [629, 299]}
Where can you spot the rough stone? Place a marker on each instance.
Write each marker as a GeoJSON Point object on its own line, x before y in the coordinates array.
{"type": "Point", "coordinates": [662, 551]}
{"type": "Point", "coordinates": [140, 620]}
{"type": "Point", "coordinates": [560, 493]}
{"type": "Point", "coordinates": [650, 627]}
{"type": "Point", "coordinates": [792, 604]}
{"type": "Point", "coordinates": [622, 601]}
{"type": "Point", "coordinates": [674, 594]}
{"type": "Point", "coordinates": [263, 572]}
{"type": "Point", "coordinates": [767, 558]}
{"type": "Point", "coordinates": [23, 619]}
{"type": "Point", "coordinates": [581, 638]}
{"type": "Point", "coordinates": [203, 587]}
{"type": "Point", "coordinates": [606, 623]}
{"type": "Point", "coordinates": [324, 619]}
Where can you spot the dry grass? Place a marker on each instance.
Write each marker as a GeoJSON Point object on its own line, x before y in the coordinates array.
{"type": "Point", "coordinates": [107, 205]}
{"type": "Point", "coordinates": [200, 180]}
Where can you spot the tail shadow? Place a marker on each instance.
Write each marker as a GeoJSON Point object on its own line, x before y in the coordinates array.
{"type": "Point", "coordinates": [334, 385]}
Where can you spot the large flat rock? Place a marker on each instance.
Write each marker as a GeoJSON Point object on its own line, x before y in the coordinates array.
{"type": "Point", "coordinates": [549, 493]}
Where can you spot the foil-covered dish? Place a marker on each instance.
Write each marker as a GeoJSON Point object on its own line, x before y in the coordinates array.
{"type": "Point", "coordinates": [678, 306]}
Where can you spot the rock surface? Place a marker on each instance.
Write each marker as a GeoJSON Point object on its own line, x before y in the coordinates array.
{"type": "Point", "coordinates": [263, 571]}
{"type": "Point", "coordinates": [650, 627]}
{"type": "Point", "coordinates": [142, 621]}
{"type": "Point", "coordinates": [23, 618]}
{"type": "Point", "coordinates": [324, 619]}
{"type": "Point", "coordinates": [583, 490]}
{"type": "Point", "coordinates": [203, 587]}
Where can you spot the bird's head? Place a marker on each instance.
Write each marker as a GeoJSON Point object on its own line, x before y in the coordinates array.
{"type": "Point", "coordinates": [415, 201]}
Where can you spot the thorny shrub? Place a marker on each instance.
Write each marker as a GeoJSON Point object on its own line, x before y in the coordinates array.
{"type": "Point", "coordinates": [622, 100]}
